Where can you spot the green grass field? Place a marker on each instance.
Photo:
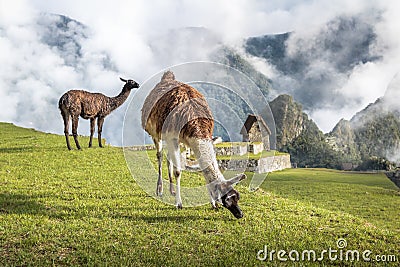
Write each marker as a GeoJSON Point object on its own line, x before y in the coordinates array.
{"type": "Point", "coordinates": [60, 207]}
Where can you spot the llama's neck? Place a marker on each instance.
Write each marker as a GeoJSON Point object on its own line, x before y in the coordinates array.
{"type": "Point", "coordinates": [118, 100]}
{"type": "Point", "coordinates": [204, 152]}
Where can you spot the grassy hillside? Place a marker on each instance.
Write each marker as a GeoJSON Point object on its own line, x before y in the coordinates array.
{"type": "Point", "coordinates": [60, 207]}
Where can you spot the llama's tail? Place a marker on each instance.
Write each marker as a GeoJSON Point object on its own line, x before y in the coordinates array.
{"type": "Point", "coordinates": [63, 104]}
{"type": "Point", "coordinates": [63, 101]}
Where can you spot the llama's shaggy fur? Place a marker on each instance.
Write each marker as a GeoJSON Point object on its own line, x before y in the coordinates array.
{"type": "Point", "coordinates": [191, 115]}
{"type": "Point", "coordinates": [75, 103]}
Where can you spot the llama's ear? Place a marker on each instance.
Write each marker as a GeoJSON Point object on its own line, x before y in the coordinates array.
{"type": "Point", "coordinates": [123, 80]}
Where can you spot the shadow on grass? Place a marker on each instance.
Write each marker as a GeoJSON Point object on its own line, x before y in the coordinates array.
{"type": "Point", "coordinates": [16, 149]}
{"type": "Point", "coordinates": [169, 218]}
{"type": "Point", "coordinates": [30, 205]}
{"type": "Point", "coordinates": [35, 148]}
{"type": "Point", "coordinates": [19, 204]}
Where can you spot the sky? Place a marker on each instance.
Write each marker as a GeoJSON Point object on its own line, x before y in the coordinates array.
{"type": "Point", "coordinates": [132, 39]}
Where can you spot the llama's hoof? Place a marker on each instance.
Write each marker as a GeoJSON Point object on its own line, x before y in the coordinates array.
{"type": "Point", "coordinates": [179, 206]}
{"type": "Point", "coordinates": [172, 193]}
{"type": "Point", "coordinates": [159, 189]}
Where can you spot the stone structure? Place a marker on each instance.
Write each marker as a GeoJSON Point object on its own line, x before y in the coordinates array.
{"type": "Point", "coordinates": [258, 165]}
{"type": "Point", "coordinates": [232, 149]}
{"type": "Point", "coordinates": [256, 130]}
{"type": "Point", "coordinates": [238, 161]}
{"type": "Point", "coordinates": [255, 148]}
{"type": "Point", "coordinates": [261, 165]}
{"type": "Point", "coordinates": [141, 148]}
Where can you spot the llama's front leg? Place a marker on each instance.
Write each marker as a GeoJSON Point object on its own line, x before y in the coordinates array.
{"type": "Point", "coordinates": [100, 122]}
{"type": "Point", "coordinates": [75, 120]}
{"type": "Point", "coordinates": [92, 124]}
{"type": "Point", "coordinates": [159, 189]}
{"type": "Point", "coordinates": [177, 173]}
{"type": "Point", "coordinates": [212, 190]}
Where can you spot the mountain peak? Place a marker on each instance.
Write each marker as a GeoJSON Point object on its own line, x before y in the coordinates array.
{"type": "Point", "coordinates": [342, 127]}
{"type": "Point", "coordinates": [372, 132]}
{"type": "Point", "coordinates": [289, 118]}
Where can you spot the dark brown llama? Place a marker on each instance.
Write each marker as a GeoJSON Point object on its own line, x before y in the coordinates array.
{"type": "Point", "coordinates": [75, 103]}
{"type": "Point", "coordinates": [174, 113]}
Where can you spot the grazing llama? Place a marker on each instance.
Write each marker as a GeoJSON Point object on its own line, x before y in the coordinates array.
{"type": "Point", "coordinates": [75, 103]}
{"type": "Point", "coordinates": [175, 113]}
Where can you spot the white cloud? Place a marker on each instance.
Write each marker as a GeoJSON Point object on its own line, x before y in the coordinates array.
{"type": "Point", "coordinates": [132, 39]}
{"type": "Point", "coordinates": [327, 91]}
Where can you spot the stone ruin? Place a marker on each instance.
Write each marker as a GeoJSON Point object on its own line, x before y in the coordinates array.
{"type": "Point", "coordinates": [257, 165]}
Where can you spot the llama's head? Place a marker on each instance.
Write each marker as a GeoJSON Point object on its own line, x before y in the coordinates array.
{"type": "Point", "coordinates": [230, 196]}
{"type": "Point", "coordinates": [129, 84]}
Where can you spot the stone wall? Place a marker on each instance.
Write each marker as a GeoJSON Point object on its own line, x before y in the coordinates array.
{"type": "Point", "coordinates": [141, 148]}
{"type": "Point", "coordinates": [275, 163]}
{"type": "Point", "coordinates": [235, 149]}
{"type": "Point", "coordinates": [255, 148]}
{"type": "Point", "coordinates": [262, 165]}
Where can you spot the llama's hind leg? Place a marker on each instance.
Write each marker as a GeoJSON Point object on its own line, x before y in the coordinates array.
{"type": "Point", "coordinates": [173, 150]}
{"type": "Point", "coordinates": [159, 189]}
{"type": "Point", "coordinates": [100, 122]}
{"type": "Point", "coordinates": [170, 174]}
{"type": "Point", "coordinates": [65, 117]}
{"type": "Point", "coordinates": [92, 124]}
{"type": "Point", "coordinates": [75, 120]}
